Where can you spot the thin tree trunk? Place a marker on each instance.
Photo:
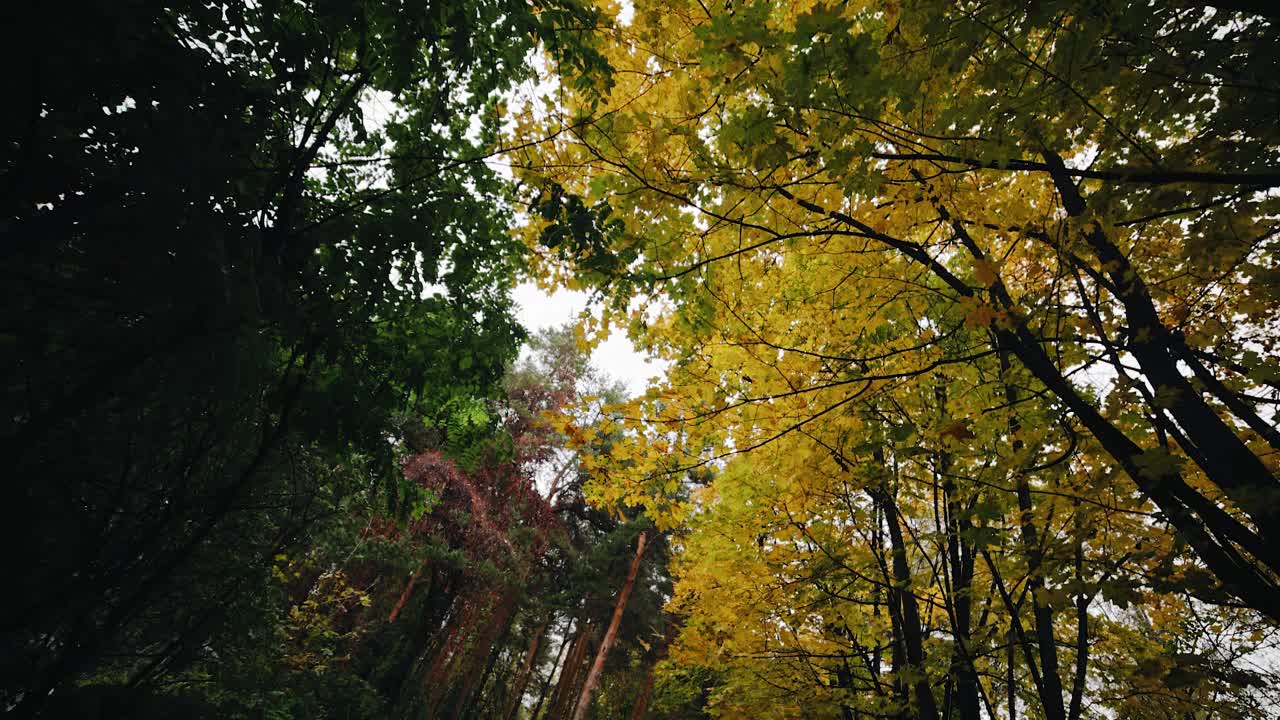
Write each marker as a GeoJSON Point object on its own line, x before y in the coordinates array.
{"type": "Point", "coordinates": [909, 612]}
{"type": "Point", "coordinates": [404, 596]}
{"type": "Point", "coordinates": [569, 640]}
{"type": "Point", "coordinates": [958, 563]}
{"type": "Point", "coordinates": [610, 635]}
{"type": "Point", "coordinates": [526, 668]}
{"type": "Point", "coordinates": [898, 652]}
{"type": "Point", "coordinates": [911, 634]}
{"type": "Point", "coordinates": [642, 703]}
{"type": "Point", "coordinates": [1012, 688]}
{"type": "Point", "coordinates": [1082, 625]}
{"type": "Point", "coordinates": [484, 651]}
{"type": "Point", "coordinates": [567, 685]}
{"type": "Point", "coordinates": [1041, 610]}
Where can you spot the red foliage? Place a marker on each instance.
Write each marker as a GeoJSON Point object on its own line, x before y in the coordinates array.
{"type": "Point", "coordinates": [478, 509]}
{"type": "Point", "coordinates": [495, 518]}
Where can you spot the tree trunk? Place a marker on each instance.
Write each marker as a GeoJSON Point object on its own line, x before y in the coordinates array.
{"type": "Point", "coordinates": [908, 612]}
{"type": "Point", "coordinates": [959, 567]}
{"type": "Point", "coordinates": [526, 668]}
{"type": "Point", "coordinates": [468, 670]}
{"type": "Point", "coordinates": [1042, 611]}
{"type": "Point", "coordinates": [565, 644]}
{"type": "Point", "coordinates": [1082, 623]}
{"type": "Point", "coordinates": [567, 685]}
{"type": "Point", "coordinates": [1212, 532]}
{"type": "Point", "coordinates": [404, 596]}
{"type": "Point", "coordinates": [610, 635]}
{"type": "Point", "coordinates": [642, 703]}
{"type": "Point", "coordinates": [1011, 688]}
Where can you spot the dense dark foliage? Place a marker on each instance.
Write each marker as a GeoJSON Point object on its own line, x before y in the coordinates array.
{"type": "Point", "coordinates": [237, 241]}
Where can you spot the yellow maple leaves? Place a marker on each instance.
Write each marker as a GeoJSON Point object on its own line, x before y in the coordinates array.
{"type": "Point", "coordinates": [835, 295]}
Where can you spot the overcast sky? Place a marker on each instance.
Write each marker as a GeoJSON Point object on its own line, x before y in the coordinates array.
{"type": "Point", "coordinates": [615, 356]}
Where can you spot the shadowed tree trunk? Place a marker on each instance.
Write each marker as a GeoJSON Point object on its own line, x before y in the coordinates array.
{"type": "Point", "coordinates": [565, 644]}
{"type": "Point", "coordinates": [526, 668]}
{"type": "Point", "coordinates": [404, 596]}
{"type": "Point", "coordinates": [903, 600]}
{"type": "Point", "coordinates": [641, 706]}
{"type": "Point", "coordinates": [469, 673]}
{"type": "Point", "coordinates": [571, 673]}
{"type": "Point", "coordinates": [1050, 689]}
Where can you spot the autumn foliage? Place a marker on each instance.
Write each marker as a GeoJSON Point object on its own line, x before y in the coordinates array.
{"type": "Point", "coordinates": [965, 315]}
{"type": "Point", "coordinates": [969, 314]}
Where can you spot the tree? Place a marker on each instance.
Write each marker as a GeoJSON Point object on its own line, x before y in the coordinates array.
{"type": "Point", "coordinates": [224, 276]}
{"type": "Point", "coordinates": [995, 280]}
{"type": "Point", "coordinates": [583, 704]}
{"type": "Point", "coordinates": [756, 120]}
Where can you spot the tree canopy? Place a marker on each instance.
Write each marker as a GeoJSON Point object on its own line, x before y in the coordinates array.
{"type": "Point", "coordinates": [968, 317]}
{"type": "Point", "coordinates": [970, 310]}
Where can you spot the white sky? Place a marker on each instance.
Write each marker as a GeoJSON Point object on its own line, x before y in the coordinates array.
{"type": "Point", "coordinates": [616, 357]}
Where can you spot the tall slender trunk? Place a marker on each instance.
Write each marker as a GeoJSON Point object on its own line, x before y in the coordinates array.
{"type": "Point", "coordinates": [1011, 687]}
{"type": "Point", "coordinates": [469, 703]}
{"type": "Point", "coordinates": [570, 639]}
{"type": "Point", "coordinates": [404, 596]}
{"type": "Point", "coordinates": [961, 606]}
{"type": "Point", "coordinates": [521, 680]}
{"type": "Point", "coordinates": [877, 541]}
{"type": "Point", "coordinates": [571, 672]}
{"type": "Point", "coordinates": [1082, 623]}
{"type": "Point", "coordinates": [435, 680]}
{"type": "Point", "coordinates": [897, 645]}
{"type": "Point", "coordinates": [959, 566]}
{"type": "Point", "coordinates": [610, 635]}
{"type": "Point", "coordinates": [1051, 685]}
{"type": "Point", "coordinates": [641, 706]}
{"type": "Point", "coordinates": [907, 611]}
{"type": "Point", "coordinates": [467, 671]}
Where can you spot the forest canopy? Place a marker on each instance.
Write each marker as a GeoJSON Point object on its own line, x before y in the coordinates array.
{"type": "Point", "coordinates": [968, 314]}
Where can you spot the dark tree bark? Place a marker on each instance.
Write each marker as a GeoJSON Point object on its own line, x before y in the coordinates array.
{"type": "Point", "coordinates": [641, 706]}
{"type": "Point", "coordinates": [1051, 686]}
{"type": "Point", "coordinates": [521, 680]}
{"type": "Point", "coordinates": [571, 673]}
{"type": "Point", "coordinates": [903, 608]}
{"type": "Point", "coordinates": [546, 683]}
{"type": "Point", "coordinates": [1232, 550]}
{"type": "Point", "coordinates": [959, 566]}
